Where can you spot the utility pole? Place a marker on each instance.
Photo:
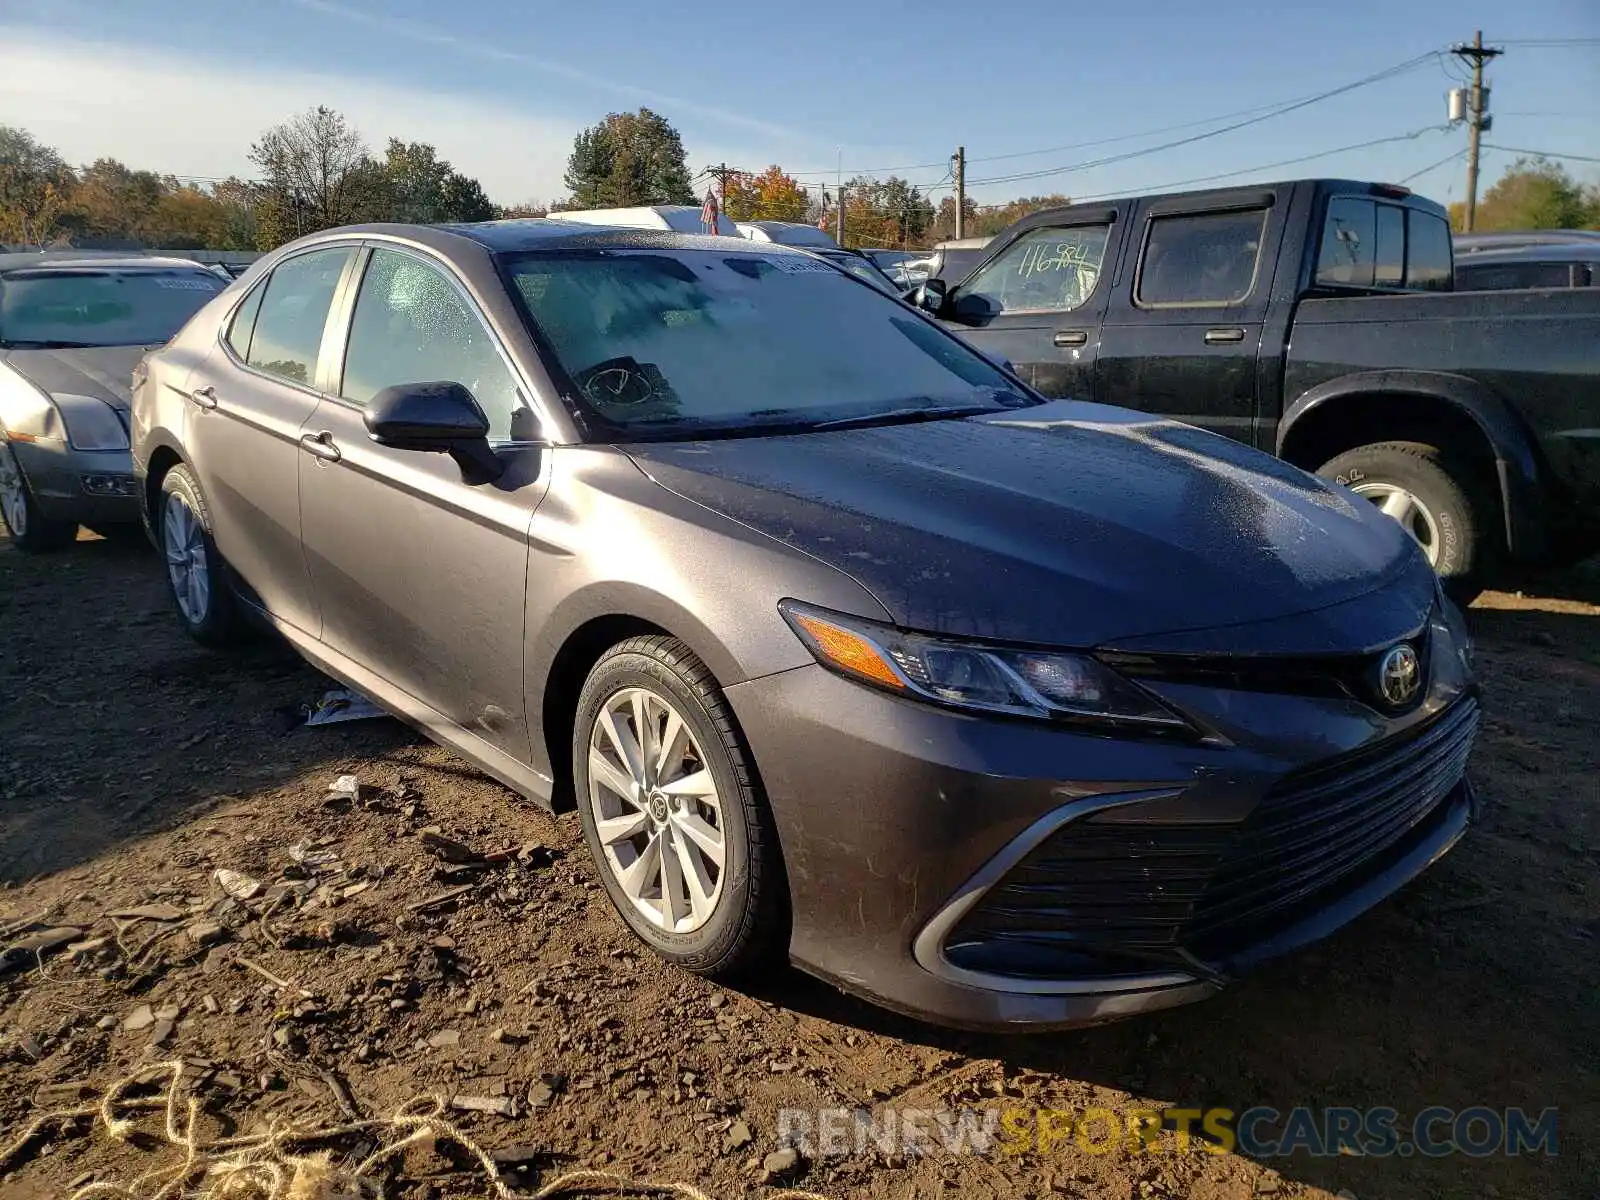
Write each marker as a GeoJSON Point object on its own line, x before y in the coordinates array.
{"type": "Point", "coordinates": [961, 191]}
{"type": "Point", "coordinates": [1478, 118]}
{"type": "Point", "coordinates": [722, 171]}
{"type": "Point", "coordinates": [839, 234]}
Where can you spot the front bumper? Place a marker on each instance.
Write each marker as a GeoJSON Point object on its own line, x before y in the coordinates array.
{"type": "Point", "coordinates": [898, 820]}
{"type": "Point", "coordinates": [91, 487]}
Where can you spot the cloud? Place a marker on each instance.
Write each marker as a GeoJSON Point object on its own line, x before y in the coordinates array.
{"type": "Point", "coordinates": [428, 35]}
{"type": "Point", "coordinates": [173, 113]}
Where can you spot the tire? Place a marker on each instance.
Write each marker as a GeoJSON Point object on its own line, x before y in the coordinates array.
{"type": "Point", "coordinates": [745, 927]}
{"type": "Point", "coordinates": [1439, 503]}
{"type": "Point", "coordinates": [31, 531]}
{"type": "Point", "coordinates": [209, 614]}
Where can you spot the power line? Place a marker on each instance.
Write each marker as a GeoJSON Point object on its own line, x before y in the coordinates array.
{"type": "Point", "coordinates": [1544, 43]}
{"type": "Point", "coordinates": [1448, 158]}
{"type": "Point", "coordinates": [1541, 153]}
{"type": "Point", "coordinates": [1387, 73]}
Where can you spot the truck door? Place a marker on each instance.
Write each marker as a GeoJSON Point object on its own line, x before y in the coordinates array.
{"type": "Point", "coordinates": [1038, 304]}
{"type": "Point", "coordinates": [1184, 329]}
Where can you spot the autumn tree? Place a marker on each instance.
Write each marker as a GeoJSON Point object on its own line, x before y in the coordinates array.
{"type": "Point", "coordinates": [943, 226]}
{"type": "Point", "coordinates": [1534, 193]}
{"type": "Point", "coordinates": [35, 188]}
{"type": "Point", "coordinates": [111, 201]}
{"type": "Point", "coordinates": [769, 196]}
{"type": "Point", "coordinates": [989, 221]}
{"type": "Point", "coordinates": [317, 174]}
{"type": "Point", "coordinates": [629, 159]}
{"type": "Point", "coordinates": [885, 212]}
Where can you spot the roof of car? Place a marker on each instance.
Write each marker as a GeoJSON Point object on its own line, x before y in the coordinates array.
{"type": "Point", "coordinates": [1516, 239]}
{"type": "Point", "coordinates": [1580, 251]}
{"type": "Point", "coordinates": [543, 233]}
{"type": "Point", "coordinates": [90, 259]}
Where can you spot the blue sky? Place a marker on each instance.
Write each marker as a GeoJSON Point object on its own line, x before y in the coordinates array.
{"type": "Point", "coordinates": [500, 86]}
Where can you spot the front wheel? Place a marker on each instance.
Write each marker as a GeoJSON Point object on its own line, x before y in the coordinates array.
{"type": "Point", "coordinates": [672, 812]}
{"type": "Point", "coordinates": [195, 568]}
{"type": "Point", "coordinates": [1433, 499]}
{"type": "Point", "coordinates": [31, 531]}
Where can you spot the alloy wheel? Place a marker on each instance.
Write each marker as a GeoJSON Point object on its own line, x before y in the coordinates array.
{"type": "Point", "coordinates": [1396, 502]}
{"type": "Point", "coordinates": [656, 810]}
{"type": "Point", "coordinates": [183, 540]}
{"type": "Point", "coordinates": [13, 492]}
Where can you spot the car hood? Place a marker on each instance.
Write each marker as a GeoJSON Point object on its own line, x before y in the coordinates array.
{"type": "Point", "coordinates": [1067, 524]}
{"type": "Point", "coordinates": [105, 372]}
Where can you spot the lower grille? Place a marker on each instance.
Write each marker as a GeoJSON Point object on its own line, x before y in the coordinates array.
{"type": "Point", "coordinates": [1102, 898]}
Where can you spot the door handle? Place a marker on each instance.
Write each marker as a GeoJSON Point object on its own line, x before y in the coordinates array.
{"type": "Point", "coordinates": [321, 445]}
{"type": "Point", "coordinates": [1071, 337]}
{"type": "Point", "coordinates": [204, 397]}
{"type": "Point", "coordinates": [1221, 337]}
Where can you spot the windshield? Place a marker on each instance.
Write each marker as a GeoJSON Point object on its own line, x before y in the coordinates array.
{"type": "Point", "coordinates": [864, 269]}
{"type": "Point", "coordinates": [683, 343]}
{"type": "Point", "coordinates": [65, 306]}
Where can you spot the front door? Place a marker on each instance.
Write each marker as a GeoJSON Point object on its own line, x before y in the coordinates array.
{"type": "Point", "coordinates": [1182, 339]}
{"type": "Point", "coordinates": [247, 403]}
{"type": "Point", "coordinates": [1038, 305]}
{"type": "Point", "coordinates": [420, 577]}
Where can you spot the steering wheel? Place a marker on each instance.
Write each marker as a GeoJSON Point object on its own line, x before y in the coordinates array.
{"type": "Point", "coordinates": [622, 382]}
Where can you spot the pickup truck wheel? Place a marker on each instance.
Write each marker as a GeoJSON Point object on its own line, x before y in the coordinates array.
{"type": "Point", "coordinates": [1434, 500]}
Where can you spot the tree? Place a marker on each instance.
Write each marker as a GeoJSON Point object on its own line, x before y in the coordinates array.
{"type": "Point", "coordinates": [35, 187]}
{"type": "Point", "coordinates": [461, 198]}
{"type": "Point", "coordinates": [527, 208]}
{"type": "Point", "coordinates": [990, 221]}
{"type": "Point", "coordinates": [414, 179]}
{"type": "Point", "coordinates": [1534, 193]}
{"type": "Point", "coordinates": [885, 212]}
{"type": "Point", "coordinates": [944, 224]}
{"type": "Point", "coordinates": [317, 175]}
{"type": "Point", "coordinates": [112, 201]}
{"type": "Point", "coordinates": [778, 197]}
{"type": "Point", "coordinates": [629, 159]}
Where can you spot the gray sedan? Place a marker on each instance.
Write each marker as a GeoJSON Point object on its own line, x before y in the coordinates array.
{"type": "Point", "coordinates": [72, 328]}
{"type": "Point", "coordinates": [847, 647]}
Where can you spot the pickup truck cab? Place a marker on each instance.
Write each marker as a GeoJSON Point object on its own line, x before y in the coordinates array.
{"type": "Point", "coordinates": [1315, 319]}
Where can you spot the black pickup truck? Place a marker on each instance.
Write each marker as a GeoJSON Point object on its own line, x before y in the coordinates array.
{"type": "Point", "coordinates": [1317, 320]}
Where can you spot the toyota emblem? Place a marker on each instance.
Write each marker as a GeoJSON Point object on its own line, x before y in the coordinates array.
{"type": "Point", "coordinates": [1400, 675]}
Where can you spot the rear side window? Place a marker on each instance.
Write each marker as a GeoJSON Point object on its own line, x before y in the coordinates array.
{"type": "Point", "coordinates": [1427, 252]}
{"type": "Point", "coordinates": [1498, 276]}
{"type": "Point", "coordinates": [1201, 259]}
{"type": "Point", "coordinates": [293, 312]}
{"type": "Point", "coordinates": [1047, 270]}
{"type": "Point", "coordinates": [1349, 243]}
{"type": "Point", "coordinates": [244, 322]}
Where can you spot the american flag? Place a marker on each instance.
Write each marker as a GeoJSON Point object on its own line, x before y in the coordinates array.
{"type": "Point", "coordinates": [708, 213]}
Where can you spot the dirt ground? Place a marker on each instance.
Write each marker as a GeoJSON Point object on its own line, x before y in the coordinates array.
{"type": "Point", "coordinates": [134, 765]}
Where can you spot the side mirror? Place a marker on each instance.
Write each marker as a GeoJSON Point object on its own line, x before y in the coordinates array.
{"type": "Point", "coordinates": [440, 418]}
{"type": "Point", "coordinates": [931, 295]}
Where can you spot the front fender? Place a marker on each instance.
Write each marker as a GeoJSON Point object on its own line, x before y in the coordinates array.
{"type": "Point", "coordinates": [1517, 465]}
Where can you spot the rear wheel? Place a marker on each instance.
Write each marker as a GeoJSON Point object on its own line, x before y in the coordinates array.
{"type": "Point", "coordinates": [30, 529]}
{"type": "Point", "coordinates": [1433, 498]}
{"type": "Point", "coordinates": [195, 569]}
{"type": "Point", "coordinates": [671, 811]}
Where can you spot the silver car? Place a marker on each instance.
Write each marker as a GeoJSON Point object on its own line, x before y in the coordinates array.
{"type": "Point", "coordinates": [72, 327]}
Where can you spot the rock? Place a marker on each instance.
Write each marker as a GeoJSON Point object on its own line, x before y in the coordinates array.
{"type": "Point", "coordinates": [541, 1095]}
{"type": "Point", "coordinates": [61, 1095]}
{"type": "Point", "coordinates": [1269, 1183]}
{"type": "Point", "coordinates": [209, 1003]}
{"type": "Point", "coordinates": [445, 1037]}
{"type": "Point", "coordinates": [449, 850]}
{"type": "Point", "coordinates": [168, 1012]}
{"type": "Point", "coordinates": [737, 1138]}
{"type": "Point", "coordinates": [106, 1022]}
{"type": "Point", "coordinates": [140, 1018]}
{"type": "Point", "coordinates": [237, 884]}
{"type": "Point", "coordinates": [204, 933]}
{"type": "Point", "coordinates": [1345, 1194]}
{"type": "Point", "coordinates": [515, 1156]}
{"type": "Point", "coordinates": [781, 1163]}
{"type": "Point", "coordinates": [29, 1045]}
{"type": "Point", "coordinates": [347, 786]}
{"type": "Point", "coordinates": [161, 1032]}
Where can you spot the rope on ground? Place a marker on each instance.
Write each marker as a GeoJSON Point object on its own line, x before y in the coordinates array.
{"type": "Point", "coordinates": [261, 1166]}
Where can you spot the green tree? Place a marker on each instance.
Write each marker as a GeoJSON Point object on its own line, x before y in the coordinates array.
{"type": "Point", "coordinates": [629, 159]}
{"type": "Point", "coordinates": [35, 189]}
{"type": "Point", "coordinates": [113, 201]}
{"type": "Point", "coordinates": [990, 221]}
{"type": "Point", "coordinates": [461, 198]}
{"type": "Point", "coordinates": [317, 175]}
{"type": "Point", "coordinates": [1534, 193]}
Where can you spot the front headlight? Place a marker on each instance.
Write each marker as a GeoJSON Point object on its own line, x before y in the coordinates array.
{"type": "Point", "coordinates": [91, 424]}
{"type": "Point", "coordinates": [1044, 684]}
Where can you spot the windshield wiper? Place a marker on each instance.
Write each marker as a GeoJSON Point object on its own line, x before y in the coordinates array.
{"type": "Point", "coordinates": [49, 345]}
{"type": "Point", "coordinates": [903, 416]}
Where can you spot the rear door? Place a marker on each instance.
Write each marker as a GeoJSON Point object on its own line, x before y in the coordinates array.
{"type": "Point", "coordinates": [247, 404]}
{"type": "Point", "coordinates": [1039, 303]}
{"type": "Point", "coordinates": [420, 577]}
{"type": "Point", "coordinates": [1184, 327]}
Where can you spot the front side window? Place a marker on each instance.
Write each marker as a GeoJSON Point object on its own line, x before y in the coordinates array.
{"type": "Point", "coordinates": [1427, 252]}
{"type": "Point", "coordinates": [667, 343]}
{"type": "Point", "coordinates": [1201, 259]}
{"type": "Point", "coordinates": [42, 307]}
{"type": "Point", "coordinates": [294, 310]}
{"type": "Point", "coordinates": [1045, 270]}
{"type": "Point", "coordinates": [412, 325]}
